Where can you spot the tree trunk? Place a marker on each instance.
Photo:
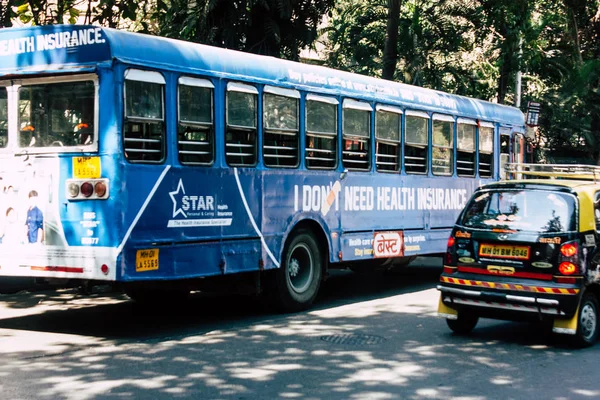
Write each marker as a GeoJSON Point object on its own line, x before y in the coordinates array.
{"type": "Point", "coordinates": [390, 51]}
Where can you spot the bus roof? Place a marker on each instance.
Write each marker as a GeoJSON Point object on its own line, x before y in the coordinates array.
{"type": "Point", "coordinates": [71, 48]}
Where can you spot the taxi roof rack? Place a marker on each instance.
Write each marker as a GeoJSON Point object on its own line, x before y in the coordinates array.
{"type": "Point", "coordinates": [564, 171]}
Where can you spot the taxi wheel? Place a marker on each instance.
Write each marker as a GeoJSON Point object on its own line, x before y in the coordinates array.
{"type": "Point", "coordinates": [587, 321]}
{"type": "Point", "coordinates": [463, 324]}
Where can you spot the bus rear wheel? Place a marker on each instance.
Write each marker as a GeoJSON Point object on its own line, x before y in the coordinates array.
{"type": "Point", "coordinates": [299, 277]}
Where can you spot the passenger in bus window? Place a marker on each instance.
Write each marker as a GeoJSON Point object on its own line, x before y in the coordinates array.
{"type": "Point", "coordinates": [84, 133]}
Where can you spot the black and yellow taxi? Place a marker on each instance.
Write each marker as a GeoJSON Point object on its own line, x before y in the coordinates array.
{"type": "Point", "coordinates": [527, 249]}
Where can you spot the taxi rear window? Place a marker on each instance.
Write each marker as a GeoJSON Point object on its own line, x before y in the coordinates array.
{"type": "Point", "coordinates": [521, 210]}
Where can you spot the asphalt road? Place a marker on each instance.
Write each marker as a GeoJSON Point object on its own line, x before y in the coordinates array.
{"type": "Point", "coordinates": [368, 337]}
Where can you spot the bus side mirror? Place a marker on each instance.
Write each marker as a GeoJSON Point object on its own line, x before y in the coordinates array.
{"type": "Point", "coordinates": [344, 174]}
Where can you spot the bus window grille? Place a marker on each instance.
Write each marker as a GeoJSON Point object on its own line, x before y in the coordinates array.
{"type": "Point", "coordinates": [280, 149]}
{"type": "Point", "coordinates": [465, 163]}
{"type": "Point", "coordinates": [240, 148]}
{"type": "Point", "coordinates": [415, 159]}
{"type": "Point", "coordinates": [356, 154]}
{"type": "Point", "coordinates": [387, 157]}
{"type": "Point", "coordinates": [320, 151]}
{"type": "Point", "coordinates": [195, 146]}
{"type": "Point", "coordinates": [144, 141]}
{"type": "Point", "coordinates": [485, 165]}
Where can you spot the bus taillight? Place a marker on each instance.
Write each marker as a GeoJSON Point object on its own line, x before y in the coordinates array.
{"type": "Point", "coordinates": [87, 189]}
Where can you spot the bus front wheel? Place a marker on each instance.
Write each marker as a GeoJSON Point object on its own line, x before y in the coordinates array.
{"type": "Point", "coordinates": [299, 277]}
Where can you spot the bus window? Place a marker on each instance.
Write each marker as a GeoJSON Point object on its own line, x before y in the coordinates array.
{"type": "Point", "coordinates": [144, 131]}
{"type": "Point", "coordinates": [442, 154]}
{"type": "Point", "coordinates": [465, 138]}
{"type": "Point", "coordinates": [356, 134]}
{"type": "Point", "coordinates": [321, 129]}
{"type": "Point", "coordinates": [52, 114]}
{"type": "Point", "coordinates": [196, 132]}
{"type": "Point", "coordinates": [486, 149]}
{"type": "Point", "coordinates": [280, 127]}
{"type": "Point", "coordinates": [240, 138]}
{"type": "Point", "coordinates": [387, 136]}
{"type": "Point", "coordinates": [3, 117]}
{"type": "Point", "coordinates": [416, 142]}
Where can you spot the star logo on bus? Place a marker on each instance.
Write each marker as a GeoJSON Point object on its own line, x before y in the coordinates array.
{"type": "Point", "coordinates": [175, 195]}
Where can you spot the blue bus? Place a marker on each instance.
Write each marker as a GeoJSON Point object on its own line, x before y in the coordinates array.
{"type": "Point", "coordinates": [163, 165]}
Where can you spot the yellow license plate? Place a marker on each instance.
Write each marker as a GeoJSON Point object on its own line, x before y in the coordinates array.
{"type": "Point", "coordinates": [146, 260]}
{"type": "Point", "coordinates": [504, 251]}
{"type": "Point", "coordinates": [86, 167]}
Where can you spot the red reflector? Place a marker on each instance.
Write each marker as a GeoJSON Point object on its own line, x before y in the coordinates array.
{"type": "Point", "coordinates": [100, 189]}
{"type": "Point", "coordinates": [448, 270]}
{"type": "Point", "coordinates": [451, 241]}
{"type": "Point", "coordinates": [87, 189]}
{"type": "Point", "coordinates": [104, 269]}
{"type": "Point", "coordinates": [565, 279]}
{"type": "Point", "coordinates": [568, 249]}
{"type": "Point", "coordinates": [567, 268]}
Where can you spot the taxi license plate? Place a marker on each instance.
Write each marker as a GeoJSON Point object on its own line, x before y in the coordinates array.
{"type": "Point", "coordinates": [504, 251]}
{"type": "Point", "coordinates": [146, 260]}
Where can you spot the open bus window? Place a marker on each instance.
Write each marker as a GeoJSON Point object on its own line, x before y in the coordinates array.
{"type": "Point", "coordinates": [56, 114]}
{"type": "Point", "coordinates": [486, 150]}
{"type": "Point", "coordinates": [416, 142]}
{"type": "Point", "coordinates": [144, 130]}
{"type": "Point", "coordinates": [281, 126]}
{"type": "Point", "coordinates": [196, 128]}
{"type": "Point", "coordinates": [242, 115]}
{"type": "Point", "coordinates": [321, 132]}
{"type": "Point", "coordinates": [387, 135]}
{"type": "Point", "coordinates": [356, 133]}
{"type": "Point", "coordinates": [442, 154]}
{"type": "Point", "coordinates": [3, 117]}
{"type": "Point", "coordinates": [465, 136]}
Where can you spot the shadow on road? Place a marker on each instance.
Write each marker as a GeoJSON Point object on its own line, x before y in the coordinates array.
{"type": "Point", "coordinates": [374, 337]}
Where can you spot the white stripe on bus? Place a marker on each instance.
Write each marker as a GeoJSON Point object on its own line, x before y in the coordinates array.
{"type": "Point", "coordinates": [141, 211]}
{"type": "Point", "coordinates": [262, 239]}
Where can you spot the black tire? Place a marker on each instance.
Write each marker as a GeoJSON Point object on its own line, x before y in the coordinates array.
{"type": "Point", "coordinates": [463, 324]}
{"type": "Point", "coordinates": [299, 277]}
{"type": "Point", "coordinates": [587, 321]}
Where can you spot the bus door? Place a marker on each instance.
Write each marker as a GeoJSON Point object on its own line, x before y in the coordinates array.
{"type": "Point", "coordinates": [518, 148]}
{"type": "Point", "coordinates": [504, 151]}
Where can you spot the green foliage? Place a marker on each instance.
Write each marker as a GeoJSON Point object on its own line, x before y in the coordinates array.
{"type": "Point", "coordinates": [280, 28]}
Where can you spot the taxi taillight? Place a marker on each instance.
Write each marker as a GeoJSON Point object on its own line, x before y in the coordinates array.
{"type": "Point", "coordinates": [569, 249]}
{"type": "Point", "coordinates": [87, 189]}
{"type": "Point", "coordinates": [450, 249]}
{"type": "Point", "coordinates": [568, 260]}
{"type": "Point", "coordinates": [567, 268]}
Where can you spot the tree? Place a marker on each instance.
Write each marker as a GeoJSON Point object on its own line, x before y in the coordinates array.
{"type": "Point", "coordinates": [279, 28]}
{"type": "Point", "coordinates": [390, 50]}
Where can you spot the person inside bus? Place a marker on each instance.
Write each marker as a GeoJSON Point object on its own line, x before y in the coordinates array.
{"type": "Point", "coordinates": [28, 136]}
{"type": "Point", "coordinates": [84, 133]}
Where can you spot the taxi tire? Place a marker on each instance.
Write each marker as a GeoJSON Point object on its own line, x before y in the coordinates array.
{"type": "Point", "coordinates": [298, 279]}
{"type": "Point", "coordinates": [463, 324]}
{"type": "Point", "coordinates": [587, 321]}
